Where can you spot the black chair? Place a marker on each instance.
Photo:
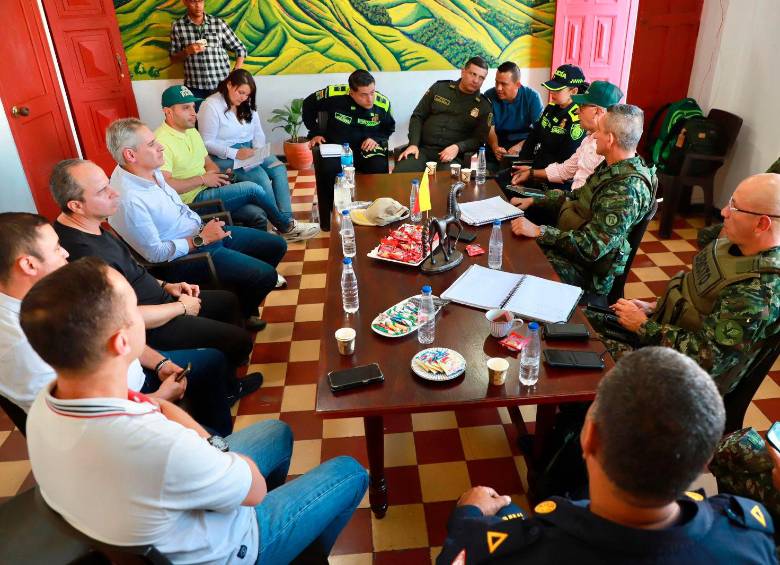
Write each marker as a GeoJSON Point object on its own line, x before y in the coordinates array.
{"type": "Point", "coordinates": [738, 399]}
{"type": "Point", "coordinates": [32, 533]}
{"type": "Point", "coordinates": [698, 170]}
{"type": "Point", "coordinates": [325, 171]}
{"type": "Point", "coordinates": [17, 415]}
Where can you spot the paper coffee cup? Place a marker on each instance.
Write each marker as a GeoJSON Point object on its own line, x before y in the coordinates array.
{"type": "Point", "coordinates": [497, 368]}
{"type": "Point", "coordinates": [345, 339]}
{"type": "Point", "coordinates": [430, 167]}
{"type": "Point", "coordinates": [465, 175]}
{"type": "Point", "coordinates": [455, 170]}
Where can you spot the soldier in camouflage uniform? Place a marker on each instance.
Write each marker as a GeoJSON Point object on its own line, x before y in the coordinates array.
{"type": "Point", "coordinates": [451, 119]}
{"type": "Point", "coordinates": [589, 247]}
{"type": "Point", "coordinates": [723, 311]}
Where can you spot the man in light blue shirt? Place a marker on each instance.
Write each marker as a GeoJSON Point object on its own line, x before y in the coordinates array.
{"type": "Point", "coordinates": [154, 221]}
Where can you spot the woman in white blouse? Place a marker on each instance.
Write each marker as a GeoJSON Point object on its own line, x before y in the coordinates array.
{"type": "Point", "coordinates": [231, 129]}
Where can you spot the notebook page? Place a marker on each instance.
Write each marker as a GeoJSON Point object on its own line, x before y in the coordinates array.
{"type": "Point", "coordinates": [485, 211]}
{"type": "Point", "coordinates": [330, 150]}
{"type": "Point", "coordinates": [544, 300]}
{"type": "Point", "coordinates": [482, 287]}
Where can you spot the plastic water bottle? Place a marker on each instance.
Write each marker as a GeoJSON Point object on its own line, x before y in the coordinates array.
{"type": "Point", "coordinates": [481, 166]}
{"type": "Point", "coordinates": [315, 212]}
{"type": "Point", "coordinates": [342, 197]}
{"type": "Point", "coordinates": [346, 156]}
{"type": "Point", "coordinates": [496, 246]}
{"type": "Point", "coordinates": [413, 196]}
{"type": "Point", "coordinates": [426, 317]}
{"type": "Point", "coordinates": [349, 288]}
{"type": "Point", "coordinates": [529, 357]}
{"type": "Point", "coordinates": [347, 235]}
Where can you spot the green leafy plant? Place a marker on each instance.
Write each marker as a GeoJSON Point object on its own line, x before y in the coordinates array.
{"type": "Point", "coordinates": [289, 119]}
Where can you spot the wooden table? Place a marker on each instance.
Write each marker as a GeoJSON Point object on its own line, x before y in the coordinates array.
{"type": "Point", "coordinates": [382, 284]}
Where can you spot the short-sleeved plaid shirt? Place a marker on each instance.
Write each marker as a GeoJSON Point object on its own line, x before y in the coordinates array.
{"type": "Point", "coordinates": [205, 70]}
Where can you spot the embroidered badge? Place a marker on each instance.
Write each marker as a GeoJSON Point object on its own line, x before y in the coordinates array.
{"type": "Point", "coordinates": [545, 507]}
{"type": "Point", "coordinates": [728, 332]}
{"type": "Point", "coordinates": [611, 220]}
{"type": "Point", "coordinates": [756, 513]}
{"type": "Point", "coordinates": [494, 539]}
{"type": "Point", "coordinates": [441, 100]}
{"type": "Point", "coordinates": [474, 113]}
{"type": "Point", "coordinates": [577, 132]}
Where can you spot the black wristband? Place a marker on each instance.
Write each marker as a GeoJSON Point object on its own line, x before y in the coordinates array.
{"type": "Point", "coordinates": [159, 366]}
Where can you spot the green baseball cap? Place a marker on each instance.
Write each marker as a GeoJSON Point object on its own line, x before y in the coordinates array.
{"type": "Point", "coordinates": [178, 95]}
{"type": "Point", "coordinates": [599, 93]}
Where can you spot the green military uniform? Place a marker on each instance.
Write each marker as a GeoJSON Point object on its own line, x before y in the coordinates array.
{"type": "Point", "coordinates": [589, 246]}
{"type": "Point", "coordinates": [719, 314]}
{"type": "Point", "coordinates": [743, 467]}
{"type": "Point", "coordinates": [446, 116]}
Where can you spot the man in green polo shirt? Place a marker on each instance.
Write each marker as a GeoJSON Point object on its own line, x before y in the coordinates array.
{"type": "Point", "coordinates": [190, 171]}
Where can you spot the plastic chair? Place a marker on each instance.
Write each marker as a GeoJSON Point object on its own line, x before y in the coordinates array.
{"type": "Point", "coordinates": [673, 185]}
{"type": "Point", "coordinates": [32, 533]}
{"type": "Point", "coordinates": [17, 415]}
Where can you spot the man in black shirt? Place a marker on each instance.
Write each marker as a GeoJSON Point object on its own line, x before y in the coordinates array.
{"type": "Point", "coordinates": [177, 315]}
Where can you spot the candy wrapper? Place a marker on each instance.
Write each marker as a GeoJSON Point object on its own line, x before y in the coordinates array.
{"type": "Point", "coordinates": [514, 341]}
{"type": "Point", "coordinates": [474, 249]}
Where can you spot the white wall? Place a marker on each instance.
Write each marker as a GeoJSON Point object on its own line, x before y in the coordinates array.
{"type": "Point", "coordinates": [404, 89]}
{"type": "Point", "coordinates": [15, 195]}
{"type": "Point", "coordinates": [735, 69]}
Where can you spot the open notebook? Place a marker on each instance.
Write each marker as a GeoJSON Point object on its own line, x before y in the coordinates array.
{"type": "Point", "coordinates": [480, 212]}
{"type": "Point", "coordinates": [527, 296]}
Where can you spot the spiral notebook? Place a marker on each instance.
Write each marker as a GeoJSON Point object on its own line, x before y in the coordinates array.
{"type": "Point", "coordinates": [480, 212]}
{"type": "Point", "coordinates": [527, 296]}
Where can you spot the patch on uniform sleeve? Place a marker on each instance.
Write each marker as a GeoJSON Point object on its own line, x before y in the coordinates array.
{"type": "Point", "coordinates": [460, 559]}
{"type": "Point", "coordinates": [495, 539]}
{"type": "Point", "coordinates": [756, 513]}
{"type": "Point", "coordinates": [577, 132]}
{"type": "Point", "coordinates": [611, 220]}
{"type": "Point", "coordinates": [490, 119]}
{"type": "Point", "coordinates": [728, 332]}
{"type": "Point", "coordinates": [545, 507]}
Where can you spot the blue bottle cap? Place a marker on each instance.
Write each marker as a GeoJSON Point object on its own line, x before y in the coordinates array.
{"type": "Point", "coordinates": [345, 212]}
{"type": "Point", "coordinates": [345, 145]}
{"type": "Point", "coordinates": [496, 222]}
{"type": "Point", "coordinates": [533, 326]}
{"type": "Point", "coordinates": [426, 289]}
{"type": "Point", "coordinates": [340, 174]}
{"type": "Point", "coordinates": [347, 260]}
{"type": "Point", "coordinates": [415, 181]}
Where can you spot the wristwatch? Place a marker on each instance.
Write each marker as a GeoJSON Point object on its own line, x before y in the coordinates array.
{"type": "Point", "coordinates": [542, 229]}
{"type": "Point", "coordinates": [197, 240]}
{"type": "Point", "coordinates": [219, 443]}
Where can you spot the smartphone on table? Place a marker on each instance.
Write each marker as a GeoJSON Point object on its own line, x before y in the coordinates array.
{"type": "Point", "coordinates": [345, 379]}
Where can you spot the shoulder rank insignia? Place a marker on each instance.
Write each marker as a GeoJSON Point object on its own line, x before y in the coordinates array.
{"type": "Point", "coordinates": [755, 512]}
{"type": "Point", "coordinates": [495, 539]}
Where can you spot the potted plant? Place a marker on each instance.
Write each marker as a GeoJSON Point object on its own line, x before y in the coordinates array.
{"type": "Point", "coordinates": [296, 148]}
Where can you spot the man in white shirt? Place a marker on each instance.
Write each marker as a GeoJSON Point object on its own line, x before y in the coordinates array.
{"type": "Point", "coordinates": [155, 222]}
{"type": "Point", "coordinates": [577, 168]}
{"type": "Point", "coordinates": [140, 471]}
{"type": "Point", "coordinates": [29, 250]}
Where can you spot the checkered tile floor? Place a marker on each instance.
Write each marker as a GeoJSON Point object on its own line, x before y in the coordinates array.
{"type": "Point", "coordinates": [431, 458]}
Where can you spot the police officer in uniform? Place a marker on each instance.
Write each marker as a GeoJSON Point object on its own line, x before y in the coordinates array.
{"type": "Point", "coordinates": [451, 119]}
{"type": "Point", "coordinates": [721, 312]}
{"type": "Point", "coordinates": [356, 114]}
{"type": "Point", "coordinates": [588, 246]}
{"type": "Point", "coordinates": [654, 424]}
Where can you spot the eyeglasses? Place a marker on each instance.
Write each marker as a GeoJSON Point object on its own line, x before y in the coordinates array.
{"type": "Point", "coordinates": [733, 208]}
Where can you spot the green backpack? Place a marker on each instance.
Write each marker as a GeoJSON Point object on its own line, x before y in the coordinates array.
{"type": "Point", "coordinates": [674, 114]}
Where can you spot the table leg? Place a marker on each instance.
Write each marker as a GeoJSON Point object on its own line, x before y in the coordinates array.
{"type": "Point", "coordinates": [375, 444]}
{"type": "Point", "coordinates": [545, 419]}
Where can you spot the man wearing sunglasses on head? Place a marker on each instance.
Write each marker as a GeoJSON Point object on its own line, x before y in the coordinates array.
{"type": "Point", "coordinates": [721, 312]}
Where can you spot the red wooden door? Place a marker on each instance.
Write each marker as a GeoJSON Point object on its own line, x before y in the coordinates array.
{"type": "Point", "coordinates": [94, 69]}
{"type": "Point", "coordinates": [597, 36]}
{"type": "Point", "coordinates": [664, 47]}
{"type": "Point", "coordinates": [32, 99]}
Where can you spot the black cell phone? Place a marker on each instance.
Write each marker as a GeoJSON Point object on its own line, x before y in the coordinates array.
{"type": "Point", "coordinates": [600, 309]}
{"type": "Point", "coordinates": [524, 191]}
{"type": "Point", "coordinates": [185, 373]}
{"type": "Point", "coordinates": [773, 436]}
{"type": "Point", "coordinates": [356, 376]}
{"type": "Point", "coordinates": [566, 331]}
{"type": "Point", "coordinates": [573, 359]}
{"type": "Point", "coordinates": [522, 163]}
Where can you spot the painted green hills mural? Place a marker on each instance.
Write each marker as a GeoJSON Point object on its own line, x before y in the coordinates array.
{"type": "Point", "coordinates": [330, 36]}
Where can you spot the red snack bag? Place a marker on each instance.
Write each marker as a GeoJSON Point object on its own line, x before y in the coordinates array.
{"type": "Point", "coordinates": [474, 249]}
{"type": "Point", "coordinates": [514, 341]}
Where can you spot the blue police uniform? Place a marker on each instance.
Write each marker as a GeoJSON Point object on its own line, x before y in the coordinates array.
{"type": "Point", "coordinates": [723, 529]}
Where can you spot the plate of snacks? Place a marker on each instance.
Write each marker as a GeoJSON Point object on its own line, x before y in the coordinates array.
{"type": "Point", "coordinates": [438, 364]}
{"type": "Point", "coordinates": [402, 245]}
{"type": "Point", "coordinates": [401, 319]}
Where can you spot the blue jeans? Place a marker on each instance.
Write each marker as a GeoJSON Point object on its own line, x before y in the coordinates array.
{"type": "Point", "coordinates": [248, 204]}
{"type": "Point", "coordinates": [271, 175]}
{"type": "Point", "coordinates": [245, 262]}
{"type": "Point", "coordinates": [307, 513]}
{"type": "Point", "coordinates": [206, 395]}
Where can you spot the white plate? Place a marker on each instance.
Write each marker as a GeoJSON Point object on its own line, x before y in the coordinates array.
{"type": "Point", "coordinates": [384, 314]}
{"type": "Point", "coordinates": [439, 377]}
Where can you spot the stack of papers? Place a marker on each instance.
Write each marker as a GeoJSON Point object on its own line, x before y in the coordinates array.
{"type": "Point", "coordinates": [482, 212]}
{"type": "Point", "coordinates": [330, 150]}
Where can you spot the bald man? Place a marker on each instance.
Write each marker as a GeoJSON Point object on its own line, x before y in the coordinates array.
{"type": "Point", "coordinates": [723, 311]}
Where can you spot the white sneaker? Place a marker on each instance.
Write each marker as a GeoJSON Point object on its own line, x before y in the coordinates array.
{"type": "Point", "coordinates": [301, 231]}
{"type": "Point", "coordinates": [281, 282]}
